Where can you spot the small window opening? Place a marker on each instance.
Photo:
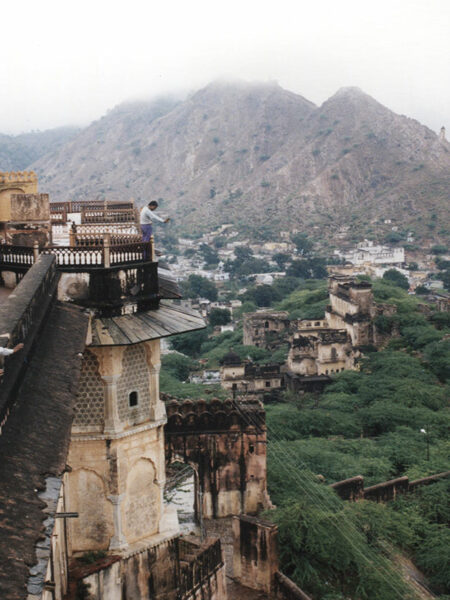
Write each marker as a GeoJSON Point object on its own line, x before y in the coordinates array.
{"type": "Point", "coordinates": [234, 386]}
{"type": "Point", "coordinates": [267, 383]}
{"type": "Point", "coordinates": [251, 448]}
{"type": "Point", "coordinates": [266, 324]}
{"type": "Point", "coordinates": [132, 399]}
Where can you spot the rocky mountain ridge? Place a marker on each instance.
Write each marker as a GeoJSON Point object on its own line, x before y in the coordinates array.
{"type": "Point", "coordinates": [263, 158]}
{"type": "Point", "coordinates": [17, 152]}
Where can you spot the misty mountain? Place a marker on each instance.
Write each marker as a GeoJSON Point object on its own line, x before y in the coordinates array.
{"type": "Point", "coordinates": [263, 158]}
{"type": "Point", "coordinates": [17, 152]}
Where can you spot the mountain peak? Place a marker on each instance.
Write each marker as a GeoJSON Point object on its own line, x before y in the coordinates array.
{"type": "Point", "coordinates": [350, 91]}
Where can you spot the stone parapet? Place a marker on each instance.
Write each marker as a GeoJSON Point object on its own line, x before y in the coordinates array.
{"type": "Point", "coordinates": [255, 555]}
{"type": "Point", "coordinates": [188, 416]}
{"type": "Point", "coordinates": [353, 488]}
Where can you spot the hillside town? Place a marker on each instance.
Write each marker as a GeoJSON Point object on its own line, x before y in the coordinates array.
{"type": "Point", "coordinates": [99, 310]}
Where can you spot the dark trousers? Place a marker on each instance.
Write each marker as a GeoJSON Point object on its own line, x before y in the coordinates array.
{"type": "Point", "coordinates": [146, 232]}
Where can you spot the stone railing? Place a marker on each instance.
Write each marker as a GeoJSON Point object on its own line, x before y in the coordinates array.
{"type": "Point", "coordinates": [285, 589]}
{"type": "Point", "coordinates": [89, 215]}
{"type": "Point", "coordinates": [111, 252]}
{"type": "Point", "coordinates": [23, 256]}
{"type": "Point", "coordinates": [353, 488]}
{"type": "Point", "coordinates": [197, 564]}
{"type": "Point", "coordinates": [20, 321]}
{"type": "Point", "coordinates": [92, 210]}
{"type": "Point", "coordinates": [93, 229]}
{"type": "Point", "coordinates": [188, 416]}
{"type": "Point", "coordinates": [101, 239]}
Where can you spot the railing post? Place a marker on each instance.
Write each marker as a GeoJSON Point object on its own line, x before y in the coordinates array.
{"type": "Point", "coordinates": [152, 248]}
{"type": "Point", "coordinates": [106, 250]}
{"type": "Point", "coordinates": [73, 235]}
{"type": "Point", "coordinates": [35, 250]}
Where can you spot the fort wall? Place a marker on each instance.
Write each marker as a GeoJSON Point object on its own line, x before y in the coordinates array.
{"type": "Point", "coordinates": [225, 442]}
{"type": "Point", "coordinates": [173, 570]}
{"type": "Point", "coordinates": [255, 559]}
{"type": "Point", "coordinates": [353, 488]}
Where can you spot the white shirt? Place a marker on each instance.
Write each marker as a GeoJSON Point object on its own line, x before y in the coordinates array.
{"type": "Point", "coordinates": [5, 351]}
{"type": "Point", "coordinates": [148, 215]}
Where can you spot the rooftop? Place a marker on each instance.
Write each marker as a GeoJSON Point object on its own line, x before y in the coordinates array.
{"type": "Point", "coordinates": [33, 446]}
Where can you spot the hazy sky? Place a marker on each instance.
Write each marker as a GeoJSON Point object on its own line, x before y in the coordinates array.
{"type": "Point", "coordinates": [68, 62]}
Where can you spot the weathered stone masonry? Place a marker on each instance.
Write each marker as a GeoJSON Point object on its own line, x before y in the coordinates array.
{"type": "Point", "coordinates": [225, 442]}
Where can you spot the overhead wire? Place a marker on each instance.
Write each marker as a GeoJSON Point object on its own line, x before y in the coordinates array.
{"type": "Point", "coordinates": [380, 563]}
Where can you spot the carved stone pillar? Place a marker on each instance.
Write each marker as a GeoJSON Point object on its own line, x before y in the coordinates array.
{"type": "Point", "coordinates": [112, 421]}
{"type": "Point", "coordinates": [118, 541]}
{"type": "Point", "coordinates": [110, 369]}
{"type": "Point", "coordinates": [153, 356]}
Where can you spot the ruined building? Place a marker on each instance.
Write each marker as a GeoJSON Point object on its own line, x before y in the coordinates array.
{"type": "Point", "coordinates": [244, 377]}
{"type": "Point", "coordinates": [353, 308]}
{"type": "Point", "coordinates": [316, 349]}
{"type": "Point", "coordinates": [265, 329]}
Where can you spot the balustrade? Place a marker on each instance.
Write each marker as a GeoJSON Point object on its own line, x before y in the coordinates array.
{"type": "Point", "coordinates": [16, 255]}
{"type": "Point", "coordinates": [94, 211]}
{"type": "Point", "coordinates": [107, 251]}
{"type": "Point", "coordinates": [89, 215]}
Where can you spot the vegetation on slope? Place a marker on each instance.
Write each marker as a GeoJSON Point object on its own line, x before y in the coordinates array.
{"type": "Point", "coordinates": [388, 420]}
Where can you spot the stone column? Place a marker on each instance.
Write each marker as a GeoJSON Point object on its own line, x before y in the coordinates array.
{"type": "Point", "coordinates": [152, 353]}
{"type": "Point", "coordinates": [118, 541]}
{"type": "Point", "coordinates": [110, 370]}
{"type": "Point", "coordinates": [112, 421]}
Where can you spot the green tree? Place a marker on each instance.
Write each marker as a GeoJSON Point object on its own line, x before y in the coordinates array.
{"type": "Point", "coordinates": [439, 249]}
{"type": "Point", "coordinates": [445, 277]}
{"type": "Point", "coordinates": [281, 259]}
{"type": "Point", "coordinates": [393, 237]}
{"type": "Point", "coordinates": [190, 343]}
{"type": "Point", "coordinates": [243, 253]}
{"type": "Point", "coordinates": [303, 244]}
{"type": "Point", "coordinates": [209, 255]}
{"type": "Point", "coordinates": [397, 278]}
{"type": "Point", "coordinates": [219, 316]}
{"type": "Point", "coordinates": [421, 290]}
{"type": "Point", "coordinates": [261, 295]}
{"type": "Point", "coordinates": [178, 365]}
{"type": "Point", "coordinates": [197, 286]}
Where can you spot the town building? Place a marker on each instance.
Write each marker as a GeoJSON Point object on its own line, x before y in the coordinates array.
{"type": "Point", "coordinates": [316, 349]}
{"type": "Point", "coordinates": [370, 253]}
{"type": "Point", "coordinates": [353, 309]}
{"type": "Point", "coordinates": [265, 329]}
{"type": "Point", "coordinates": [245, 377]}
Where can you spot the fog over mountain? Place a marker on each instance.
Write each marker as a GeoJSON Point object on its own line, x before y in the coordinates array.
{"type": "Point", "coordinates": [260, 157]}
{"type": "Point", "coordinates": [18, 151]}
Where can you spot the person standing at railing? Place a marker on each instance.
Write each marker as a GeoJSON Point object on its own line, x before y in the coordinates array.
{"type": "Point", "coordinates": [147, 217]}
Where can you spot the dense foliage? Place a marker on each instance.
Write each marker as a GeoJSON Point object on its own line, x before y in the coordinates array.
{"type": "Point", "coordinates": [388, 420]}
{"type": "Point", "coordinates": [197, 286]}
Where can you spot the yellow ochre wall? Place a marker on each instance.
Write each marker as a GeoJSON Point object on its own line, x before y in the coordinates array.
{"type": "Point", "coordinates": [15, 182]}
